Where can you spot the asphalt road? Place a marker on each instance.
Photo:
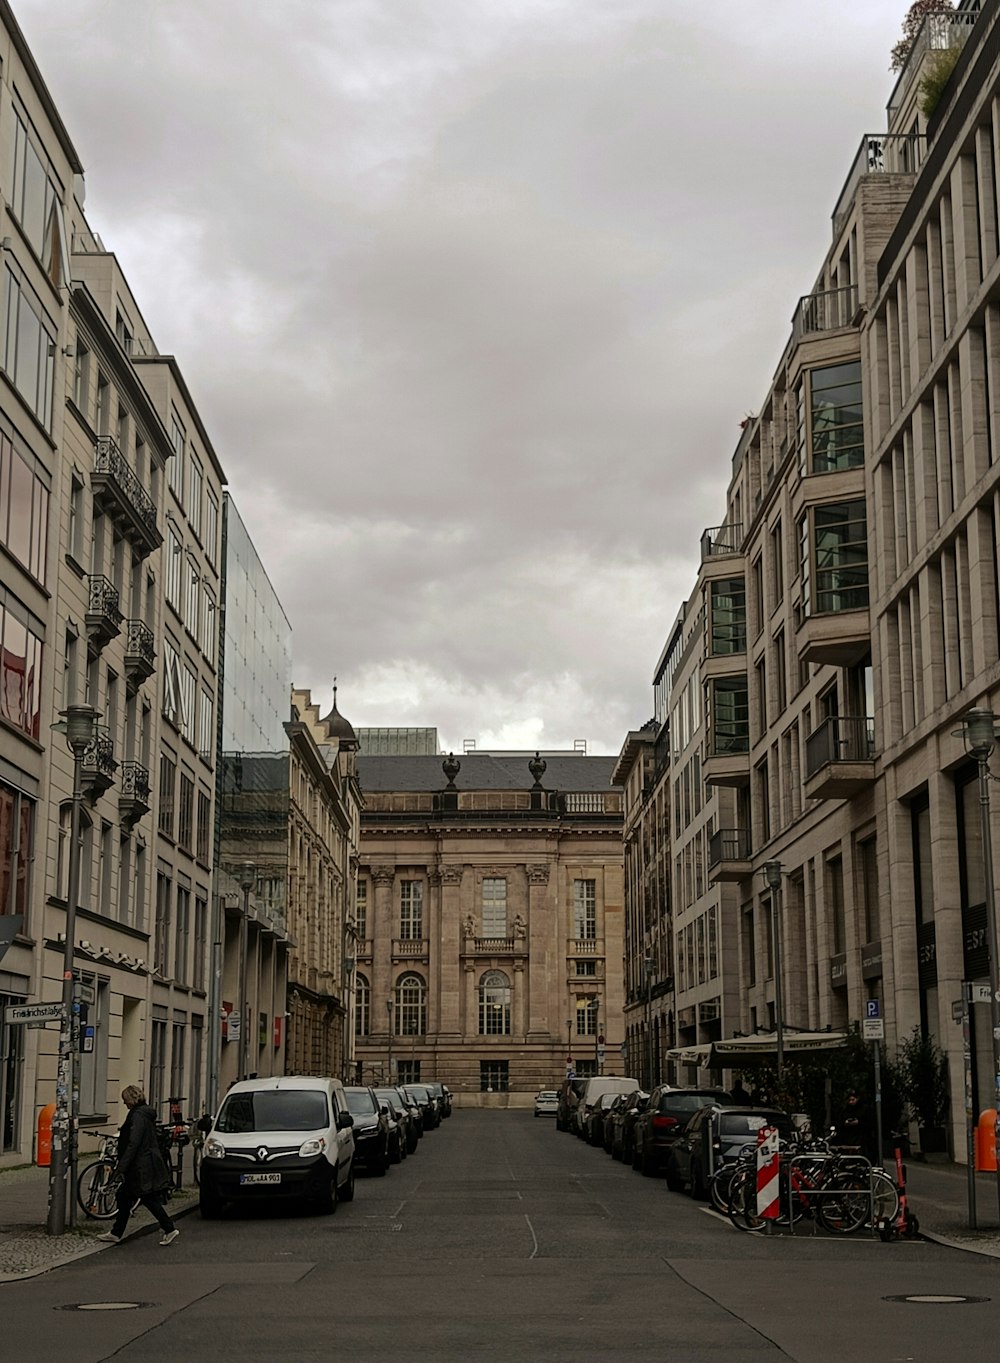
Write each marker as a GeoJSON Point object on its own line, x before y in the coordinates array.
{"type": "Point", "coordinates": [503, 1240]}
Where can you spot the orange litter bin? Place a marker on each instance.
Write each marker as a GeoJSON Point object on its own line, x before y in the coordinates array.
{"type": "Point", "coordinates": [986, 1150]}
{"type": "Point", "coordinates": [43, 1146]}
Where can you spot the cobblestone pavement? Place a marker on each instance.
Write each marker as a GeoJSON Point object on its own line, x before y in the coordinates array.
{"type": "Point", "coordinates": [26, 1249]}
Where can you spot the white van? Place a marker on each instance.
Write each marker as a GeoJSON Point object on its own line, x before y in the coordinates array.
{"type": "Point", "coordinates": [285, 1137]}
{"type": "Point", "coordinates": [594, 1088]}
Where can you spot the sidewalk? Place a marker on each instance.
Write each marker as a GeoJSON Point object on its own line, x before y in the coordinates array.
{"type": "Point", "coordinates": [25, 1248]}
{"type": "Point", "coordinates": [938, 1196]}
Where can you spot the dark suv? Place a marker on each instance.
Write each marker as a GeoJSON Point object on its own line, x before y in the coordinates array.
{"type": "Point", "coordinates": [371, 1130]}
{"type": "Point", "coordinates": [665, 1117]}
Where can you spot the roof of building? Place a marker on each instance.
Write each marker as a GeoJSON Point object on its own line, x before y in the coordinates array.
{"type": "Point", "coordinates": [336, 725]}
{"type": "Point", "coordinates": [485, 771]}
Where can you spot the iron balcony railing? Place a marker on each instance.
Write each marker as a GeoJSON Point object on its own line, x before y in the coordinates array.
{"type": "Point", "coordinates": [103, 616]}
{"type": "Point", "coordinates": [826, 311]}
{"type": "Point", "coordinates": [139, 651]}
{"type": "Point", "coordinates": [840, 738]}
{"type": "Point", "coordinates": [729, 844]}
{"type": "Point", "coordinates": [938, 33]}
{"type": "Point", "coordinates": [109, 462]}
{"type": "Point", "coordinates": [135, 782]}
{"type": "Point", "coordinates": [719, 540]}
{"type": "Point", "coordinates": [879, 154]}
{"type": "Point", "coordinates": [99, 765]}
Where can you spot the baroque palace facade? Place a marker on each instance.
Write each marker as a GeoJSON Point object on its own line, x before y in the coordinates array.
{"type": "Point", "coordinates": [808, 702]}
{"type": "Point", "coordinates": [489, 921]}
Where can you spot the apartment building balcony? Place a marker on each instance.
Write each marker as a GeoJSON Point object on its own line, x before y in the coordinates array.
{"type": "Point", "coordinates": [938, 33]}
{"type": "Point", "coordinates": [842, 638]}
{"type": "Point", "coordinates": [119, 493]}
{"type": "Point", "coordinates": [493, 946]}
{"type": "Point", "coordinates": [410, 949]}
{"type": "Point", "coordinates": [840, 758]}
{"type": "Point", "coordinates": [99, 766]}
{"type": "Point", "coordinates": [828, 310]}
{"type": "Point", "coordinates": [133, 795]}
{"type": "Point", "coordinates": [720, 544]}
{"type": "Point", "coordinates": [726, 762]}
{"type": "Point", "coordinates": [140, 657]}
{"type": "Point", "coordinates": [104, 619]}
{"type": "Point", "coordinates": [879, 154]}
{"type": "Point", "coordinates": [729, 855]}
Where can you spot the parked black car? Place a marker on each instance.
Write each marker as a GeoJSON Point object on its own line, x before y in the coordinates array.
{"type": "Point", "coordinates": [415, 1113]}
{"type": "Point", "coordinates": [715, 1135]}
{"type": "Point", "coordinates": [667, 1113]}
{"type": "Point", "coordinates": [443, 1095]}
{"type": "Point", "coordinates": [619, 1129]}
{"type": "Point", "coordinates": [399, 1121]}
{"type": "Point", "coordinates": [371, 1130]}
{"type": "Point", "coordinates": [593, 1122]}
{"type": "Point", "coordinates": [427, 1103]}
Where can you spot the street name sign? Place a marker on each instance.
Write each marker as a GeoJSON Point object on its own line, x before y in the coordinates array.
{"type": "Point", "coordinates": [33, 1012]}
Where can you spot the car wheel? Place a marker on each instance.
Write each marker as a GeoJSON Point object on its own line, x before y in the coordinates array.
{"type": "Point", "coordinates": [326, 1202]}
{"type": "Point", "coordinates": [345, 1193]}
{"type": "Point", "coordinates": [396, 1155]}
{"type": "Point", "coordinates": [209, 1205]}
{"type": "Point", "coordinates": [698, 1190]}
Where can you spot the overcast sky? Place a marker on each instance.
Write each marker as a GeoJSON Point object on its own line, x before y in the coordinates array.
{"type": "Point", "coordinates": [472, 296]}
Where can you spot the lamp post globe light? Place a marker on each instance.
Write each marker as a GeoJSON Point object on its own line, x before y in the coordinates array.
{"type": "Point", "coordinates": [979, 732]}
{"type": "Point", "coordinates": [773, 872]}
{"type": "Point", "coordinates": [78, 724]}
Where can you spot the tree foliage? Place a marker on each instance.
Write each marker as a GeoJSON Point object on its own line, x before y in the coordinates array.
{"type": "Point", "coordinates": [912, 24]}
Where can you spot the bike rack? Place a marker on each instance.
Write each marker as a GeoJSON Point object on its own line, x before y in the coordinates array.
{"type": "Point", "coordinates": [856, 1162]}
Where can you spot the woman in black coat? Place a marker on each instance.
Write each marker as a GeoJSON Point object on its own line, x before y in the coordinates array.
{"type": "Point", "coordinates": [141, 1173]}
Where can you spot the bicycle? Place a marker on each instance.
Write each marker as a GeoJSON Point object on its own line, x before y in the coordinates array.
{"type": "Point", "coordinates": [95, 1190]}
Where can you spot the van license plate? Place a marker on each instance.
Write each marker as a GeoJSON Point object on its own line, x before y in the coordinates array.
{"type": "Point", "coordinates": [260, 1178]}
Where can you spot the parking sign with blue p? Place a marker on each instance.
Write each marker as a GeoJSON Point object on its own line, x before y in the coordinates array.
{"type": "Point", "coordinates": [873, 1008]}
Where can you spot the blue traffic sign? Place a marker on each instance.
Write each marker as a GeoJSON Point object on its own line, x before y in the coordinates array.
{"type": "Point", "coordinates": [873, 1008]}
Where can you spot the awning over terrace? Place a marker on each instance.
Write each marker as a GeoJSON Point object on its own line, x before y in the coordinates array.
{"type": "Point", "coordinates": [759, 1049]}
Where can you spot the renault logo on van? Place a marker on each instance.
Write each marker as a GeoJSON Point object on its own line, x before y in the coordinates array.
{"type": "Point", "coordinates": [262, 1152]}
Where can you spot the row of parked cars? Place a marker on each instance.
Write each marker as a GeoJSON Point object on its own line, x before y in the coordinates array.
{"type": "Point", "coordinates": [305, 1137]}
{"type": "Point", "coordinates": [683, 1134]}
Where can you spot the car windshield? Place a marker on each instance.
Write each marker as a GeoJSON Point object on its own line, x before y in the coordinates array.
{"type": "Point", "coordinates": [273, 1110]}
{"type": "Point", "coordinates": [419, 1093]}
{"type": "Point", "coordinates": [549, 1095]}
{"type": "Point", "coordinates": [360, 1102]}
{"type": "Point", "coordinates": [390, 1097]}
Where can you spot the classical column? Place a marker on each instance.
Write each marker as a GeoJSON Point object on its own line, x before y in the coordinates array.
{"type": "Point", "coordinates": [449, 939]}
{"type": "Point", "coordinates": [543, 941]}
{"type": "Point", "coordinates": [518, 1007]}
{"type": "Point", "coordinates": [381, 931]}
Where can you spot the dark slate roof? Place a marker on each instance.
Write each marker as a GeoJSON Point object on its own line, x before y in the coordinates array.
{"type": "Point", "coordinates": [483, 771]}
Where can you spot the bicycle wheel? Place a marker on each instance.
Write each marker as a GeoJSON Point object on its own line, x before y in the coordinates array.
{"type": "Point", "coordinates": [742, 1207]}
{"type": "Point", "coordinates": [886, 1197]}
{"type": "Point", "coordinates": [845, 1205]}
{"type": "Point", "coordinates": [718, 1188]}
{"type": "Point", "coordinates": [94, 1191]}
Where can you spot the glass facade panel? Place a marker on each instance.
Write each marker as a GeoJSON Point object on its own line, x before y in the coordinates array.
{"type": "Point", "coordinates": [837, 429]}
{"type": "Point", "coordinates": [840, 542]}
{"type": "Point", "coordinates": [729, 616]}
{"type": "Point", "coordinates": [730, 715]}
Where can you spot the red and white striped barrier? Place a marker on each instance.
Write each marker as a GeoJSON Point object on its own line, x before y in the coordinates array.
{"type": "Point", "coordinates": [768, 1177]}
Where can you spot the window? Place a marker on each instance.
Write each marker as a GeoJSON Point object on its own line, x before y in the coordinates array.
{"type": "Point", "coordinates": [158, 1063]}
{"type": "Point", "coordinates": [361, 910]}
{"type": "Point", "coordinates": [411, 1006]}
{"type": "Point", "coordinates": [840, 539]}
{"type": "Point", "coordinates": [408, 1071]}
{"type": "Point", "coordinates": [362, 1006]}
{"type": "Point", "coordinates": [585, 909]}
{"type": "Point", "coordinates": [411, 910]}
{"type": "Point", "coordinates": [34, 196]}
{"type": "Point", "coordinates": [123, 331]}
{"type": "Point", "coordinates": [494, 1004]}
{"type": "Point", "coordinates": [196, 482]}
{"type": "Point", "coordinates": [76, 528]}
{"type": "Point", "coordinates": [161, 940]}
{"type": "Point", "coordinates": [29, 348]}
{"type": "Point", "coordinates": [182, 913]}
{"type": "Point", "coordinates": [189, 690]}
{"type": "Point", "coordinates": [175, 475]}
{"type": "Point", "coordinates": [758, 594]}
{"type": "Point", "coordinates": [20, 669]}
{"type": "Point", "coordinates": [192, 606]}
{"type": "Point", "coordinates": [586, 1017]}
{"type": "Point", "coordinates": [730, 715]}
{"type": "Point", "coordinates": [209, 625]}
{"type": "Point", "coordinates": [211, 526]}
{"type": "Point", "coordinates": [171, 684]}
{"type": "Point", "coordinates": [204, 834]}
{"type": "Point", "coordinates": [837, 430]}
{"type": "Point", "coordinates": [206, 727]}
{"type": "Point", "coordinates": [494, 906]}
{"type": "Point", "coordinates": [868, 868]}
{"type": "Point", "coordinates": [168, 774]}
{"type": "Point", "coordinates": [185, 812]}
{"type": "Point", "coordinates": [11, 1068]}
{"type": "Point", "coordinates": [586, 967]}
{"type": "Point", "coordinates": [17, 826]}
{"type": "Point", "coordinates": [173, 568]}
{"type": "Point", "coordinates": [835, 906]}
{"type": "Point", "coordinates": [493, 1076]}
{"type": "Point", "coordinates": [780, 672]}
{"type": "Point", "coordinates": [199, 974]}
{"type": "Point", "coordinates": [777, 562]}
{"type": "Point", "coordinates": [24, 509]}
{"type": "Point", "coordinates": [729, 616]}
{"type": "Point", "coordinates": [81, 377]}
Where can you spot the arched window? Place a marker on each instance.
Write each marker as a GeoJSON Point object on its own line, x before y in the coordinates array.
{"type": "Point", "coordinates": [411, 1006]}
{"type": "Point", "coordinates": [494, 1004]}
{"type": "Point", "coordinates": [362, 1006]}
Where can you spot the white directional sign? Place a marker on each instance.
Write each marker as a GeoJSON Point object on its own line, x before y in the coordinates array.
{"type": "Point", "coordinates": [980, 993]}
{"type": "Point", "coordinates": [873, 1029]}
{"type": "Point", "coordinates": [33, 1012]}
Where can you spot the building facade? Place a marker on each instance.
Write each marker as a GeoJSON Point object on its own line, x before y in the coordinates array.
{"type": "Point", "coordinates": [489, 920]}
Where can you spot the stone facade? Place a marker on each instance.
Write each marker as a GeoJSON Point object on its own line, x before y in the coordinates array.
{"type": "Point", "coordinates": [489, 920]}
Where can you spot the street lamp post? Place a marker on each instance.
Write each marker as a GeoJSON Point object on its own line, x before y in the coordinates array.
{"type": "Point", "coordinates": [979, 729]}
{"type": "Point", "coordinates": [388, 1013]}
{"type": "Point", "coordinates": [247, 873]}
{"type": "Point", "coordinates": [772, 874]}
{"type": "Point", "coordinates": [79, 723]}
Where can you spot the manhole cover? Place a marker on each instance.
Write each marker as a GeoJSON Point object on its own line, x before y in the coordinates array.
{"type": "Point", "coordinates": [936, 1298]}
{"type": "Point", "coordinates": [106, 1306]}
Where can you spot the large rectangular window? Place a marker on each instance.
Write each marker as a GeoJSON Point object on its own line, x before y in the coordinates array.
{"type": "Point", "coordinates": [168, 777]}
{"type": "Point", "coordinates": [182, 926]}
{"type": "Point", "coordinates": [361, 910]}
{"type": "Point", "coordinates": [24, 509]}
{"type": "Point", "coordinates": [493, 1076]}
{"type": "Point", "coordinates": [20, 669]}
{"type": "Point", "coordinates": [585, 909]}
{"type": "Point", "coordinates": [730, 718]}
{"type": "Point", "coordinates": [729, 616]}
{"type": "Point", "coordinates": [175, 474]}
{"type": "Point", "coordinates": [411, 910]}
{"type": "Point", "coordinates": [494, 907]}
{"type": "Point", "coordinates": [34, 195]}
{"type": "Point", "coordinates": [840, 547]}
{"type": "Point", "coordinates": [868, 875]}
{"type": "Point", "coordinates": [837, 429]}
{"type": "Point", "coordinates": [29, 348]}
{"type": "Point", "coordinates": [17, 823]}
{"type": "Point", "coordinates": [185, 812]}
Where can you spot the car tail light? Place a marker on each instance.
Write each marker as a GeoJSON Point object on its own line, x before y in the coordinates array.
{"type": "Point", "coordinates": [664, 1123]}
